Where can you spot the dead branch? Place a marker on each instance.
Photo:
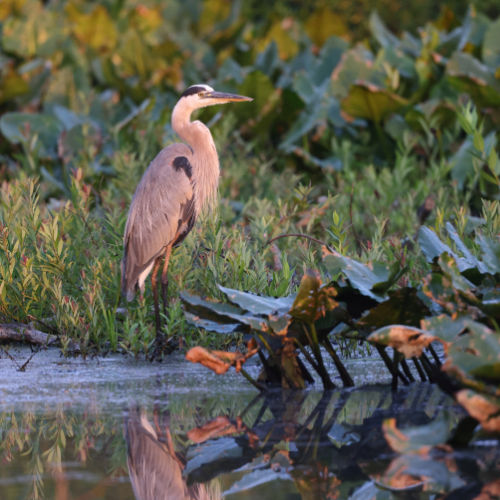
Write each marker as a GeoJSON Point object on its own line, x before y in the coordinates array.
{"type": "Point", "coordinates": [18, 332]}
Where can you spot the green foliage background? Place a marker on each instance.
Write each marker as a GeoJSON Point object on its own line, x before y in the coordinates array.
{"type": "Point", "coordinates": [357, 134]}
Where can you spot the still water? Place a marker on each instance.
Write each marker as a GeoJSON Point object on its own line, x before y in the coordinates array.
{"type": "Point", "coordinates": [115, 428]}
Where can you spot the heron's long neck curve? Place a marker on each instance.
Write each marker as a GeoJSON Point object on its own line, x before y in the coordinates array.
{"type": "Point", "coordinates": [204, 161]}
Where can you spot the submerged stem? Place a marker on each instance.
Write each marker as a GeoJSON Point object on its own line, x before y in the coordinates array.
{"type": "Point", "coordinates": [344, 374]}
{"type": "Point", "coordinates": [256, 384]}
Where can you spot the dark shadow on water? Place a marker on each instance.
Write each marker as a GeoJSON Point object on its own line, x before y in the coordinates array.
{"type": "Point", "coordinates": [279, 445]}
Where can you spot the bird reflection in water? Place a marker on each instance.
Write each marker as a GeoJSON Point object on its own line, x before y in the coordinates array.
{"type": "Point", "coordinates": [155, 469]}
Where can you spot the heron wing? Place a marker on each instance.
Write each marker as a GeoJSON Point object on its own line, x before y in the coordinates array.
{"type": "Point", "coordinates": [161, 209]}
{"type": "Point", "coordinates": [154, 472]}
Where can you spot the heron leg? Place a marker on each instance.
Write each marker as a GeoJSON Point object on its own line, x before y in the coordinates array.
{"type": "Point", "coordinates": [164, 279]}
{"type": "Point", "coordinates": [154, 277]}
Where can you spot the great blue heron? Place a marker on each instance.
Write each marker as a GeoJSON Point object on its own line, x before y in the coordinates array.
{"type": "Point", "coordinates": [178, 184]}
{"type": "Point", "coordinates": [155, 468]}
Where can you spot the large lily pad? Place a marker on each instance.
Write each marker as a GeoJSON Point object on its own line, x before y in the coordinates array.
{"type": "Point", "coordinates": [444, 327]}
{"type": "Point", "coordinates": [256, 478]}
{"type": "Point", "coordinates": [372, 282]}
{"type": "Point", "coordinates": [475, 355]}
{"type": "Point", "coordinates": [403, 307]}
{"type": "Point", "coordinates": [366, 100]}
{"type": "Point", "coordinates": [431, 244]}
{"type": "Point", "coordinates": [21, 127]}
{"type": "Point", "coordinates": [209, 325]}
{"type": "Point", "coordinates": [475, 78]}
{"type": "Point", "coordinates": [258, 304]}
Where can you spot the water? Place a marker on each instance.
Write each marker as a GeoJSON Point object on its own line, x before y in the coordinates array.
{"type": "Point", "coordinates": [102, 428]}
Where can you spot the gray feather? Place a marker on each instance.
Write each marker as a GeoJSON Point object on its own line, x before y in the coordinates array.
{"type": "Point", "coordinates": [158, 204]}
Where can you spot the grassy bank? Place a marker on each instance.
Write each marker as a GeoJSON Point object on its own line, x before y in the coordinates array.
{"type": "Point", "coordinates": [353, 144]}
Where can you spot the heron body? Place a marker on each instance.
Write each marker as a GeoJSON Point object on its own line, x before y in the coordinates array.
{"type": "Point", "coordinates": [177, 186]}
{"type": "Point", "coordinates": [155, 469]}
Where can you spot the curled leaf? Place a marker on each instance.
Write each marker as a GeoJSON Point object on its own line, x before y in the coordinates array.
{"type": "Point", "coordinates": [208, 359]}
{"type": "Point", "coordinates": [218, 427]}
{"type": "Point", "coordinates": [397, 478]}
{"type": "Point", "coordinates": [417, 440]}
{"type": "Point", "coordinates": [485, 410]}
{"type": "Point", "coordinates": [407, 340]}
{"type": "Point", "coordinates": [313, 300]}
{"type": "Point", "coordinates": [219, 361]}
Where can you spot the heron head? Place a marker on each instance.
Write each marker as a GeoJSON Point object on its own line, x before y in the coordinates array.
{"type": "Point", "coordinates": [202, 95]}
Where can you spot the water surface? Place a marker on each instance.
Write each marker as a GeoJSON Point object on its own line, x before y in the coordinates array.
{"type": "Point", "coordinates": [118, 428]}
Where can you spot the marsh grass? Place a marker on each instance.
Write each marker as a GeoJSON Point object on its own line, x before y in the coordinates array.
{"type": "Point", "coordinates": [60, 258]}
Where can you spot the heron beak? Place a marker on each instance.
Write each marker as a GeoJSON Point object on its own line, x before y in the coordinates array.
{"type": "Point", "coordinates": [225, 97]}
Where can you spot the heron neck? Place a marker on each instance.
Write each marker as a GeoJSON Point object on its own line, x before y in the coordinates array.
{"type": "Point", "coordinates": [204, 160]}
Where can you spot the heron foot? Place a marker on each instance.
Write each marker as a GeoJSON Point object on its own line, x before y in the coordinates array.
{"type": "Point", "coordinates": [158, 347]}
{"type": "Point", "coordinates": [163, 345]}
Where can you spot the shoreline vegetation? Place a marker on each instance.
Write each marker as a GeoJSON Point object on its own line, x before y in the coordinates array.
{"type": "Point", "coordinates": [359, 195]}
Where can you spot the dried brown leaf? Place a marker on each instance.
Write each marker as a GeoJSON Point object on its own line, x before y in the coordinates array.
{"type": "Point", "coordinates": [407, 340]}
{"type": "Point", "coordinates": [481, 408]}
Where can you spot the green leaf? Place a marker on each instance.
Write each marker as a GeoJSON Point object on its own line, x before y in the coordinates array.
{"type": "Point", "coordinates": [268, 60]}
{"type": "Point", "coordinates": [491, 253]}
{"type": "Point", "coordinates": [444, 327]}
{"type": "Point", "coordinates": [259, 86]}
{"type": "Point", "coordinates": [404, 307]}
{"type": "Point", "coordinates": [257, 478]}
{"type": "Point", "coordinates": [68, 118]}
{"type": "Point", "coordinates": [366, 100]}
{"type": "Point", "coordinates": [476, 354]}
{"type": "Point", "coordinates": [361, 276]}
{"type": "Point", "coordinates": [473, 77]}
{"type": "Point", "coordinates": [491, 45]}
{"type": "Point", "coordinates": [355, 64]}
{"type": "Point", "coordinates": [469, 261]}
{"type": "Point", "coordinates": [202, 455]}
{"type": "Point", "coordinates": [305, 88]}
{"type": "Point", "coordinates": [329, 57]}
{"type": "Point", "coordinates": [431, 245]}
{"type": "Point", "coordinates": [463, 160]}
{"type": "Point", "coordinates": [20, 127]}
{"type": "Point", "coordinates": [221, 311]}
{"type": "Point", "coordinates": [227, 313]}
{"type": "Point", "coordinates": [257, 304]}
{"type": "Point", "coordinates": [323, 23]}
{"type": "Point", "coordinates": [381, 33]}
{"type": "Point", "coordinates": [397, 127]}
{"type": "Point", "coordinates": [306, 122]}
{"type": "Point", "coordinates": [24, 35]}
{"type": "Point", "coordinates": [388, 277]}
{"type": "Point", "coordinates": [211, 326]}
{"type": "Point", "coordinates": [448, 265]}
{"type": "Point", "coordinates": [490, 302]}
{"type": "Point", "coordinates": [96, 28]}
{"type": "Point", "coordinates": [12, 85]}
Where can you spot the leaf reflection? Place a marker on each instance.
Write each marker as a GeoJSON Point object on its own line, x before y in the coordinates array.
{"type": "Point", "coordinates": [351, 443]}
